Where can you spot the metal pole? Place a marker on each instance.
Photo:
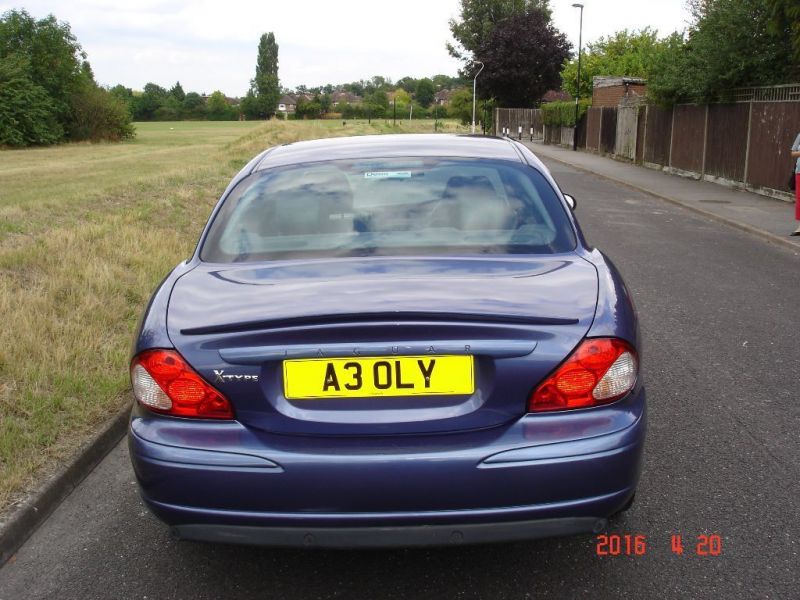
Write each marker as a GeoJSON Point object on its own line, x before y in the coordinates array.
{"type": "Point", "coordinates": [578, 87]}
{"type": "Point", "coordinates": [474, 89]}
{"type": "Point", "coordinates": [394, 107]}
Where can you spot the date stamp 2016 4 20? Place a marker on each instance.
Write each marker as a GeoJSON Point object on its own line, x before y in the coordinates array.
{"type": "Point", "coordinates": [627, 544]}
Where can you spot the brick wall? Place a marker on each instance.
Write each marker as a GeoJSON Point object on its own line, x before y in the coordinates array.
{"type": "Point", "coordinates": [610, 96]}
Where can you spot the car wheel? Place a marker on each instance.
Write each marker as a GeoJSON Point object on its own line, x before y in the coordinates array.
{"type": "Point", "coordinates": [625, 508]}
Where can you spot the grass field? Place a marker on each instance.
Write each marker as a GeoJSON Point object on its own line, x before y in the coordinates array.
{"type": "Point", "coordinates": [86, 233]}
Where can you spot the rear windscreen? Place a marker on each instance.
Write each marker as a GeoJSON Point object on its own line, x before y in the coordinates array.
{"type": "Point", "coordinates": [389, 207]}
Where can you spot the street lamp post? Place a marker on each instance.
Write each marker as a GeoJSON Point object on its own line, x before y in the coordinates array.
{"type": "Point", "coordinates": [474, 88]}
{"type": "Point", "coordinates": [578, 86]}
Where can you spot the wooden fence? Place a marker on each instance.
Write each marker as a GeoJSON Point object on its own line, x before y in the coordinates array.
{"type": "Point", "coordinates": [512, 119]}
{"type": "Point", "coordinates": [745, 143]}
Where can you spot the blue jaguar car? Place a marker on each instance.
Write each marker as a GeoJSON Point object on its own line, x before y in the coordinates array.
{"type": "Point", "coordinates": [389, 340]}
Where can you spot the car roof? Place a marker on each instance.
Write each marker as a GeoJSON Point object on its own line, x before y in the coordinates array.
{"type": "Point", "coordinates": [391, 146]}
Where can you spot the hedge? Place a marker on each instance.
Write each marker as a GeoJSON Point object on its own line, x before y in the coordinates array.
{"type": "Point", "coordinates": [562, 114]}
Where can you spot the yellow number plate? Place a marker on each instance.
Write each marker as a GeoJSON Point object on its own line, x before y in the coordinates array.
{"type": "Point", "coordinates": [380, 376]}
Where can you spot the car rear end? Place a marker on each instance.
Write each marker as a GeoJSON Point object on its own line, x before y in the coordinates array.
{"type": "Point", "coordinates": [411, 375]}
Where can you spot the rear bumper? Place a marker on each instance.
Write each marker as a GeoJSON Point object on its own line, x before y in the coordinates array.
{"type": "Point", "coordinates": [541, 476]}
{"type": "Point", "coordinates": [384, 537]}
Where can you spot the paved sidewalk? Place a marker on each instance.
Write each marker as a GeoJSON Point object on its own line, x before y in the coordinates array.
{"type": "Point", "coordinates": [770, 218]}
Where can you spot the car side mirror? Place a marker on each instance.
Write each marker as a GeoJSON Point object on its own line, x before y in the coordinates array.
{"type": "Point", "coordinates": [571, 201]}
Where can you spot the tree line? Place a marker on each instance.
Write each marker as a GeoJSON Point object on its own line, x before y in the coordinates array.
{"type": "Point", "coordinates": [379, 97]}
{"type": "Point", "coordinates": [157, 103]}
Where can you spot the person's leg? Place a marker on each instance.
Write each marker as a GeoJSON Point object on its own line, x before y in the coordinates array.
{"type": "Point", "coordinates": [797, 201]}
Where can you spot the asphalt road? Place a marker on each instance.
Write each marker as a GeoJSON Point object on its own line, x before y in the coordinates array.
{"type": "Point", "coordinates": [719, 311]}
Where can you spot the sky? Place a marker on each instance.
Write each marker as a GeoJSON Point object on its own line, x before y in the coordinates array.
{"type": "Point", "coordinates": [212, 44]}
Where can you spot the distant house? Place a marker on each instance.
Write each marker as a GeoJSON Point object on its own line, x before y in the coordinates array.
{"type": "Point", "coordinates": [442, 97]}
{"type": "Point", "coordinates": [556, 96]}
{"type": "Point", "coordinates": [610, 91]}
{"type": "Point", "coordinates": [341, 97]}
{"type": "Point", "coordinates": [287, 104]}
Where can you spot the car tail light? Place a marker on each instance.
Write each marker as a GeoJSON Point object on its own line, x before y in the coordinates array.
{"type": "Point", "coordinates": [598, 372]}
{"type": "Point", "coordinates": [164, 382]}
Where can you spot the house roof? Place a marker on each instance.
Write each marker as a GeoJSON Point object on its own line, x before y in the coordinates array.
{"type": "Point", "coordinates": [345, 97]}
{"type": "Point", "coordinates": [443, 95]}
{"type": "Point", "coordinates": [556, 96]}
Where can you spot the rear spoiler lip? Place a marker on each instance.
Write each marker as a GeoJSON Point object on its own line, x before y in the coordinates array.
{"type": "Point", "coordinates": [387, 317]}
{"type": "Point", "coordinates": [494, 348]}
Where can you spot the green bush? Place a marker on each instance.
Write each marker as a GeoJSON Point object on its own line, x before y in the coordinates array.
{"type": "Point", "coordinates": [348, 110]}
{"type": "Point", "coordinates": [27, 115]}
{"type": "Point", "coordinates": [562, 114]}
{"type": "Point", "coordinates": [96, 114]}
{"type": "Point", "coordinates": [461, 106]}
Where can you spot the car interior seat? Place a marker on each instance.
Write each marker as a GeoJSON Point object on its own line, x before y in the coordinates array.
{"type": "Point", "coordinates": [471, 203]}
{"type": "Point", "coordinates": [320, 203]}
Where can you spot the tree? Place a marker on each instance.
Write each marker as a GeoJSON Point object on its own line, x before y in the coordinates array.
{"type": "Point", "coordinates": [377, 103]}
{"type": "Point", "coordinates": [624, 54]}
{"type": "Point", "coordinates": [324, 102]}
{"type": "Point", "coordinates": [666, 82]}
{"type": "Point", "coordinates": [401, 96]}
{"type": "Point", "coordinates": [249, 106]}
{"type": "Point", "coordinates": [785, 20]}
{"type": "Point", "coordinates": [424, 92]}
{"type": "Point", "coordinates": [26, 111]}
{"type": "Point", "coordinates": [54, 56]}
{"type": "Point", "coordinates": [156, 90]}
{"type": "Point", "coordinates": [266, 86]}
{"type": "Point", "coordinates": [308, 109]}
{"type": "Point", "coordinates": [96, 114]}
{"type": "Point", "coordinates": [176, 91]}
{"type": "Point", "coordinates": [379, 82]}
{"type": "Point", "coordinates": [523, 57]}
{"type": "Point", "coordinates": [479, 19]}
{"type": "Point", "coordinates": [461, 105]}
{"type": "Point", "coordinates": [409, 84]}
{"type": "Point", "coordinates": [193, 106]}
{"type": "Point", "coordinates": [122, 92]}
{"type": "Point", "coordinates": [146, 104]}
{"type": "Point", "coordinates": [44, 66]}
{"type": "Point", "coordinates": [170, 110]}
{"type": "Point", "coordinates": [218, 108]}
{"type": "Point", "coordinates": [356, 88]}
{"type": "Point", "coordinates": [125, 94]}
{"type": "Point", "coordinates": [346, 109]}
{"type": "Point", "coordinates": [86, 71]}
{"type": "Point", "coordinates": [732, 43]}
